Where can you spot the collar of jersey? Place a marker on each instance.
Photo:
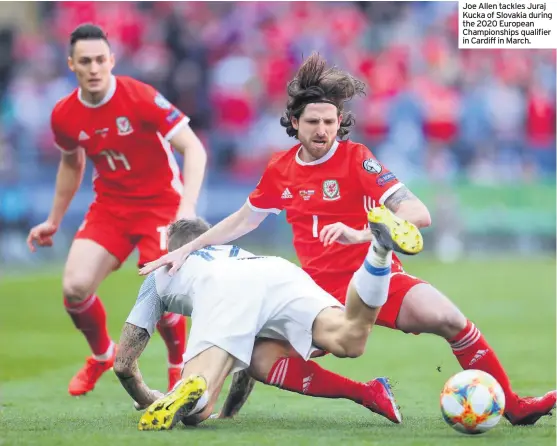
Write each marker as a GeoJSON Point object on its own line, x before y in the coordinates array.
{"type": "Point", "coordinates": [108, 96]}
{"type": "Point", "coordinates": [321, 160]}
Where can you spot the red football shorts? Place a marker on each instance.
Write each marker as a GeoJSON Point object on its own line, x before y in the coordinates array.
{"type": "Point", "coordinates": [399, 286]}
{"type": "Point", "coordinates": [119, 229]}
{"type": "Point", "coordinates": [401, 283]}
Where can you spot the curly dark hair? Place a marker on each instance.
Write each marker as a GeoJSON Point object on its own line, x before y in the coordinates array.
{"type": "Point", "coordinates": [314, 82]}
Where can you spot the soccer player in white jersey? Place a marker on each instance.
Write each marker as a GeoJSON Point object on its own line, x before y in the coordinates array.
{"type": "Point", "coordinates": [234, 296]}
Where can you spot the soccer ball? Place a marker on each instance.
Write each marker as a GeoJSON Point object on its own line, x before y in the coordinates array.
{"type": "Point", "coordinates": [472, 402]}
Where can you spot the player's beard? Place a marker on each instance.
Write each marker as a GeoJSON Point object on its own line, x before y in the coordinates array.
{"type": "Point", "coordinates": [317, 150]}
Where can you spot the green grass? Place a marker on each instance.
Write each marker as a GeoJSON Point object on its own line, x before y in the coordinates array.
{"type": "Point", "coordinates": [514, 304]}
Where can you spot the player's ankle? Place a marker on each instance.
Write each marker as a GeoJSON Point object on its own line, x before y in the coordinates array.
{"type": "Point", "coordinates": [378, 255]}
{"type": "Point", "coordinates": [107, 354]}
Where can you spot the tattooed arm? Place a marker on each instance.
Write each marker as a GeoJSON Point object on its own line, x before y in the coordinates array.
{"type": "Point", "coordinates": [240, 388]}
{"type": "Point", "coordinates": [139, 327]}
{"type": "Point", "coordinates": [407, 206]}
{"type": "Point", "coordinates": [132, 343]}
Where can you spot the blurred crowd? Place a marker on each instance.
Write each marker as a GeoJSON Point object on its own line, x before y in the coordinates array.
{"type": "Point", "coordinates": [431, 110]}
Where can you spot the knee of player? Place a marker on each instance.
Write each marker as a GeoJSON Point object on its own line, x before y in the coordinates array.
{"type": "Point", "coordinates": [453, 322]}
{"type": "Point", "coordinates": [266, 353]}
{"type": "Point", "coordinates": [449, 321]}
{"type": "Point", "coordinates": [425, 309]}
{"type": "Point", "coordinates": [258, 372]}
{"type": "Point", "coordinates": [76, 287]}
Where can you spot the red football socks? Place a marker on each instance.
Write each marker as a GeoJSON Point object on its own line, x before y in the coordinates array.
{"type": "Point", "coordinates": [172, 328]}
{"type": "Point", "coordinates": [309, 378]}
{"type": "Point", "coordinates": [89, 317]}
{"type": "Point", "coordinates": [473, 352]}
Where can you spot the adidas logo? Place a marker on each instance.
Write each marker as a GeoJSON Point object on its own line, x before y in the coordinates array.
{"type": "Point", "coordinates": [479, 355]}
{"type": "Point", "coordinates": [286, 194]}
{"type": "Point", "coordinates": [306, 382]}
{"type": "Point", "coordinates": [83, 136]}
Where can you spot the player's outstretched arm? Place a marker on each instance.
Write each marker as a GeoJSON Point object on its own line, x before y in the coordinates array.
{"type": "Point", "coordinates": [132, 343]}
{"type": "Point", "coordinates": [240, 389]}
{"type": "Point", "coordinates": [404, 204]}
{"type": "Point", "coordinates": [195, 161]}
{"type": "Point", "coordinates": [232, 227]}
{"type": "Point", "coordinates": [68, 180]}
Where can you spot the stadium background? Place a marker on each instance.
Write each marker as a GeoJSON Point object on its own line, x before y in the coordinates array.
{"type": "Point", "coordinates": [472, 132]}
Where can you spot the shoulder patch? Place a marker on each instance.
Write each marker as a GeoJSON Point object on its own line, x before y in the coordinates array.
{"type": "Point", "coordinates": [162, 102]}
{"type": "Point", "coordinates": [387, 177]}
{"type": "Point", "coordinates": [372, 166]}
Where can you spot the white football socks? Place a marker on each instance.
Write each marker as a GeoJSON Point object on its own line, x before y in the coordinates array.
{"type": "Point", "coordinates": [373, 277]}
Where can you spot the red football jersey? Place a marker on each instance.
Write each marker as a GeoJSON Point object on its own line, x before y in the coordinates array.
{"type": "Point", "coordinates": [340, 187]}
{"type": "Point", "coordinates": [126, 136]}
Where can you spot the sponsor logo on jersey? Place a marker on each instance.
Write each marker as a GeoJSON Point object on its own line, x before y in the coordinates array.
{"type": "Point", "coordinates": [124, 126]}
{"type": "Point", "coordinates": [172, 116]}
{"type": "Point", "coordinates": [331, 190]}
{"type": "Point", "coordinates": [387, 177]}
{"type": "Point", "coordinates": [162, 102]}
{"type": "Point", "coordinates": [286, 194]}
{"type": "Point", "coordinates": [372, 166]}
{"type": "Point", "coordinates": [102, 132]}
{"type": "Point", "coordinates": [83, 136]}
{"type": "Point", "coordinates": [306, 194]}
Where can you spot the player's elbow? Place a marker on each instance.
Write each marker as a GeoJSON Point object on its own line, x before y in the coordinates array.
{"type": "Point", "coordinates": [344, 348]}
{"type": "Point", "coordinates": [73, 161]}
{"type": "Point", "coordinates": [187, 142]}
{"type": "Point", "coordinates": [122, 368]}
{"type": "Point", "coordinates": [424, 218]}
{"type": "Point", "coordinates": [122, 372]}
{"type": "Point", "coordinates": [201, 153]}
{"type": "Point", "coordinates": [355, 350]}
{"type": "Point", "coordinates": [416, 212]}
{"type": "Point", "coordinates": [252, 224]}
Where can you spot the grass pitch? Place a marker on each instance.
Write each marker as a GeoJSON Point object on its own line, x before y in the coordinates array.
{"type": "Point", "coordinates": [513, 304]}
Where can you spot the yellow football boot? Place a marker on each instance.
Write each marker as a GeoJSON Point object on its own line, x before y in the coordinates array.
{"type": "Point", "coordinates": [394, 233]}
{"type": "Point", "coordinates": [164, 413]}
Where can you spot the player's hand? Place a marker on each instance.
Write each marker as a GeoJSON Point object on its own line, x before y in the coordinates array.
{"type": "Point", "coordinates": [186, 212]}
{"type": "Point", "coordinates": [174, 259]}
{"type": "Point", "coordinates": [339, 233]}
{"type": "Point", "coordinates": [41, 235]}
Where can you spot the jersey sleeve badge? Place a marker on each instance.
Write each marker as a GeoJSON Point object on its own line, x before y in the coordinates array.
{"type": "Point", "coordinates": [372, 166]}
{"type": "Point", "coordinates": [162, 102]}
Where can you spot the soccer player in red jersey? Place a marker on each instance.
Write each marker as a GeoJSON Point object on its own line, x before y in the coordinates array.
{"type": "Point", "coordinates": [325, 186]}
{"type": "Point", "coordinates": [126, 128]}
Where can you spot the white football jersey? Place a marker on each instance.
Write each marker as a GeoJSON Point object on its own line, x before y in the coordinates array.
{"type": "Point", "coordinates": [161, 292]}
